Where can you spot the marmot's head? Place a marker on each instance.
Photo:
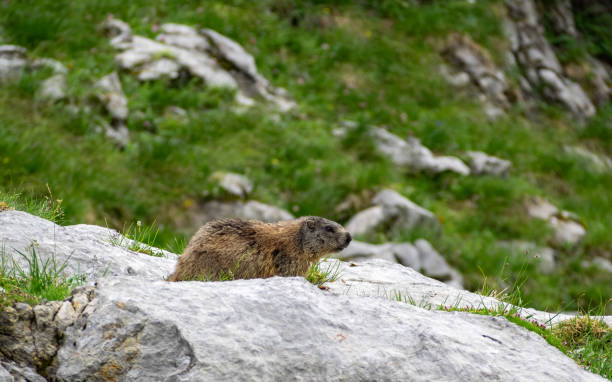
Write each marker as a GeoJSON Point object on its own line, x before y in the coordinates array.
{"type": "Point", "coordinates": [319, 236]}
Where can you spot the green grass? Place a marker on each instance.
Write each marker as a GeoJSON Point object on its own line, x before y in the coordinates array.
{"type": "Point", "coordinates": [40, 281]}
{"type": "Point", "coordinates": [318, 276]}
{"type": "Point", "coordinates": [139, 238]}
{"type": "Point", "coordinates": [370, 62]}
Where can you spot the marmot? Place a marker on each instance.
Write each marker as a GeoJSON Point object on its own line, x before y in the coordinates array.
{"type": "Point", "coordinates": [246, 249]}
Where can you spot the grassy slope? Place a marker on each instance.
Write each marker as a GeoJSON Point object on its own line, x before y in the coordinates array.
{"type": "Point", "coordinates": [340, 62]}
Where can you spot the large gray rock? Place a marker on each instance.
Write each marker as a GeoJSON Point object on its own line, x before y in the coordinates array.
{"type": "Point", "coordinates": [393, 211]}
{"type": "Point", "coordinates": [538, 61]}
{"type": "Point", "coordinates": [83, 249]}
{"type": "Point", "coordinates": [412, 154]}
{"type": "Point", "coordinates": [286, 329]}
{"type": "Point", "coordinates": [205, 54]}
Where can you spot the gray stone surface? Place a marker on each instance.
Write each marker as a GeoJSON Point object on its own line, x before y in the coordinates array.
{"type": "Point", "coordinates": [12, 372]}
{"type": "Point", "coordinates": [412, 154]}
{"type": "Point", "coordinates": [84, 249]}
{"type": "Point", "coordinates": [286, 329]}
{"type": "Point", "coordinates": [482, 163]}
{"type": "Point", "coordinates": [393, 211]}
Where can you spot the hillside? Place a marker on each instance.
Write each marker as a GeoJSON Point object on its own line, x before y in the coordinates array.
{"type": "Point", "coordinates": [513, 80]}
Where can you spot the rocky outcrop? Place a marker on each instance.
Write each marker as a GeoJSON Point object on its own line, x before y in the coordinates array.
{"type": "Point", "coordinates": [538, 61]}
{"type": "Point", "coordinates": [392, 212]}
{"type": "Point", "coordinates": [182, 50]}
{"type": "Point", "coordinates": [472, 61]}
{"type": "Point", "coordinates": [283, 328]}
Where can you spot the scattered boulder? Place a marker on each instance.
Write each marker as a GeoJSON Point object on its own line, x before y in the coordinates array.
{"type": "Point", "coordinates": [567, 229]}
{"type": "Point", "coordinates": [421, 257]}
{"type": "Point", "coordinates": [84, 249]}
{"type": "Point", "coordinates": [412, 154]}
{"type": "Point", "coordinates": [110, 94]}
{"type": "Point", "coordinates": [13, 59]}
{"type": "Point", "coordinates": [242, 210]}
{"type": "Point", "coordinates": [391, 211]}
{"type": "Point", "coordinates": [234, 184]}
{"type": "Point", "coordinates": [53, 88]}
{"type": "Point", "coordinates": [182, 50]}
{"type": "Point", "coordinates": [484, 164]}
{"type": "Point", "coordinates": [538, 61]}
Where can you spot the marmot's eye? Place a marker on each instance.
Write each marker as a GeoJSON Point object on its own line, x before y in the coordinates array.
{"type": "Point", "coordinates": [329, 228]}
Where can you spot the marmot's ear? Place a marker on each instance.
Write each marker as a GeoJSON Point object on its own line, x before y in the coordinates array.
{"type": "Point", "coordinates": [310, 224]}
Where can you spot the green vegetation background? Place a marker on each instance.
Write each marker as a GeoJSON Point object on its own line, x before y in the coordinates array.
{"type": "Point", "coordinates": [370, 62]}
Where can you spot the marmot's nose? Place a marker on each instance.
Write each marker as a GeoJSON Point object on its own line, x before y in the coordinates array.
{"type": "Point", "coordinates": [348, 238]}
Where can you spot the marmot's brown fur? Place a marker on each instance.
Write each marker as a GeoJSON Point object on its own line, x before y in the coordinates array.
{"type": "Point", "coordinates": [246, 249]}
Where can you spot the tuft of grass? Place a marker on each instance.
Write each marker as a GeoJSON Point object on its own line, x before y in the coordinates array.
{"type": "Point", "coordinates": [42, 280]}
{"type": "Point", "coordinates": [48, 207]}
{"type": "Point", "coordinates": [318, 277]}
{"type": "Point", "coordinates": [589, 343]}
{"type": "Point", "coordinates": [139, 238]}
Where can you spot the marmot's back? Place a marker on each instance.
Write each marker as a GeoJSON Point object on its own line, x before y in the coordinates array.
{"type": "Point", "coordinates": [229, 249]}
